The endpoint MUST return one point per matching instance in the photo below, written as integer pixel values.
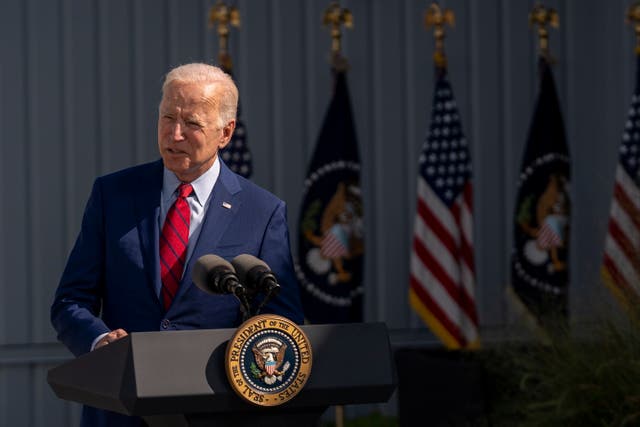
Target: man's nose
(178, 131)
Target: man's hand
(111, 337)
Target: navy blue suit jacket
(113, 271)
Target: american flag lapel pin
(226, 205)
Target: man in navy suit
(113, 285)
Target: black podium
(177, 378)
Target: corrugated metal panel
(15, 163)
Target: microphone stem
(266, 299)
(245, 307)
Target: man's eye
(193, 124)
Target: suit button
(165, 323)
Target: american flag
(442, 267)
(621, 264)
(236, 154)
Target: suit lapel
(224, 204)
(147, 202)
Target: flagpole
(542, 212)
(236, 155)
(335, 17)
(444, 193)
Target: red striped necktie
(173, 244)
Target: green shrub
(592, 380)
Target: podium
(178, 378)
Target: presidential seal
(268, 360)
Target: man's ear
(227, 133)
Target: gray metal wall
(80, 84)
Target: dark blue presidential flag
(236, 154)
(539, 260)
(329, 263)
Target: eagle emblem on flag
(544, 219)
(340, 233)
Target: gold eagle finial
(224, 16)
(543, 17)
(334, 17)
(633, 17)
(437, 18)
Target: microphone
(255, 274)
(215, 275)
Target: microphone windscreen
(244, 263)
(204, 271)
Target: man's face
(189, 129)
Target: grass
(592, 380)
